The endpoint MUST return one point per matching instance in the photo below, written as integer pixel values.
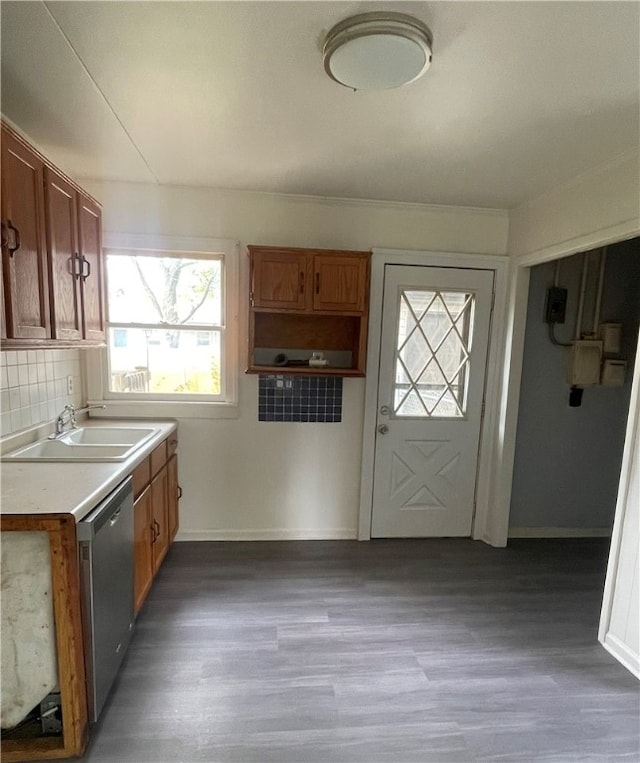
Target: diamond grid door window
(433, 345)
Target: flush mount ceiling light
(377, 51)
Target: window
(171, 313)
(433, 345)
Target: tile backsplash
(315, 399)
(33, 386)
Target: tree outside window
(165, 316)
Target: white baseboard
(333, 534)
(559, 532)
(622, 653)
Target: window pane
(182, 291)
(164, 361)
(432, 353)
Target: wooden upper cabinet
(308, 300)
(3, 324)
(309, 280)
(278, 279)
(91, 264)
(64, 262)
(52, 259)
(24, 256)
(340, 282)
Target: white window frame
(141, 405)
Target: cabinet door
(278, 279)
(90, 251)
(160, 519)
(339, 283)
(24, 262)
(3, 325)
(173, 496)
(142, 554)
(64, 264)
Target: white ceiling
(521, 97)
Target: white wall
(248, 479)
(597, 207)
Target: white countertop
(76, 487)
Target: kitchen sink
(107, 435)
(85, 444)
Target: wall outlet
(69, 385)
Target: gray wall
(567, 462)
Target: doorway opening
(570, 438)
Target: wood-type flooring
(410, 651)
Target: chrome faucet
(68, 416)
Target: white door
(433, 356)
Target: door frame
(482, 527)
(516, 320)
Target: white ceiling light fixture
(377, 51)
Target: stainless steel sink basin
(85, 444)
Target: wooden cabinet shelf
(304, 301)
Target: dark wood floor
(403, 651)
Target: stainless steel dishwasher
(105, 540)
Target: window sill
(170, 409)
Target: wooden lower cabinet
(160, 516)
(156, 494)
(155, 511)
(174, 492)
(143, 555)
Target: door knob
(383, 429)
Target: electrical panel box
(613, 372)
(556, 307)
(585, 358)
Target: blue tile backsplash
(315, 399)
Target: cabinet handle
(71, 266)
(179, 492)
(317, 283)
(16, 240)
(302, 283)
(86, 262)
(153, 534)
(157, 526)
